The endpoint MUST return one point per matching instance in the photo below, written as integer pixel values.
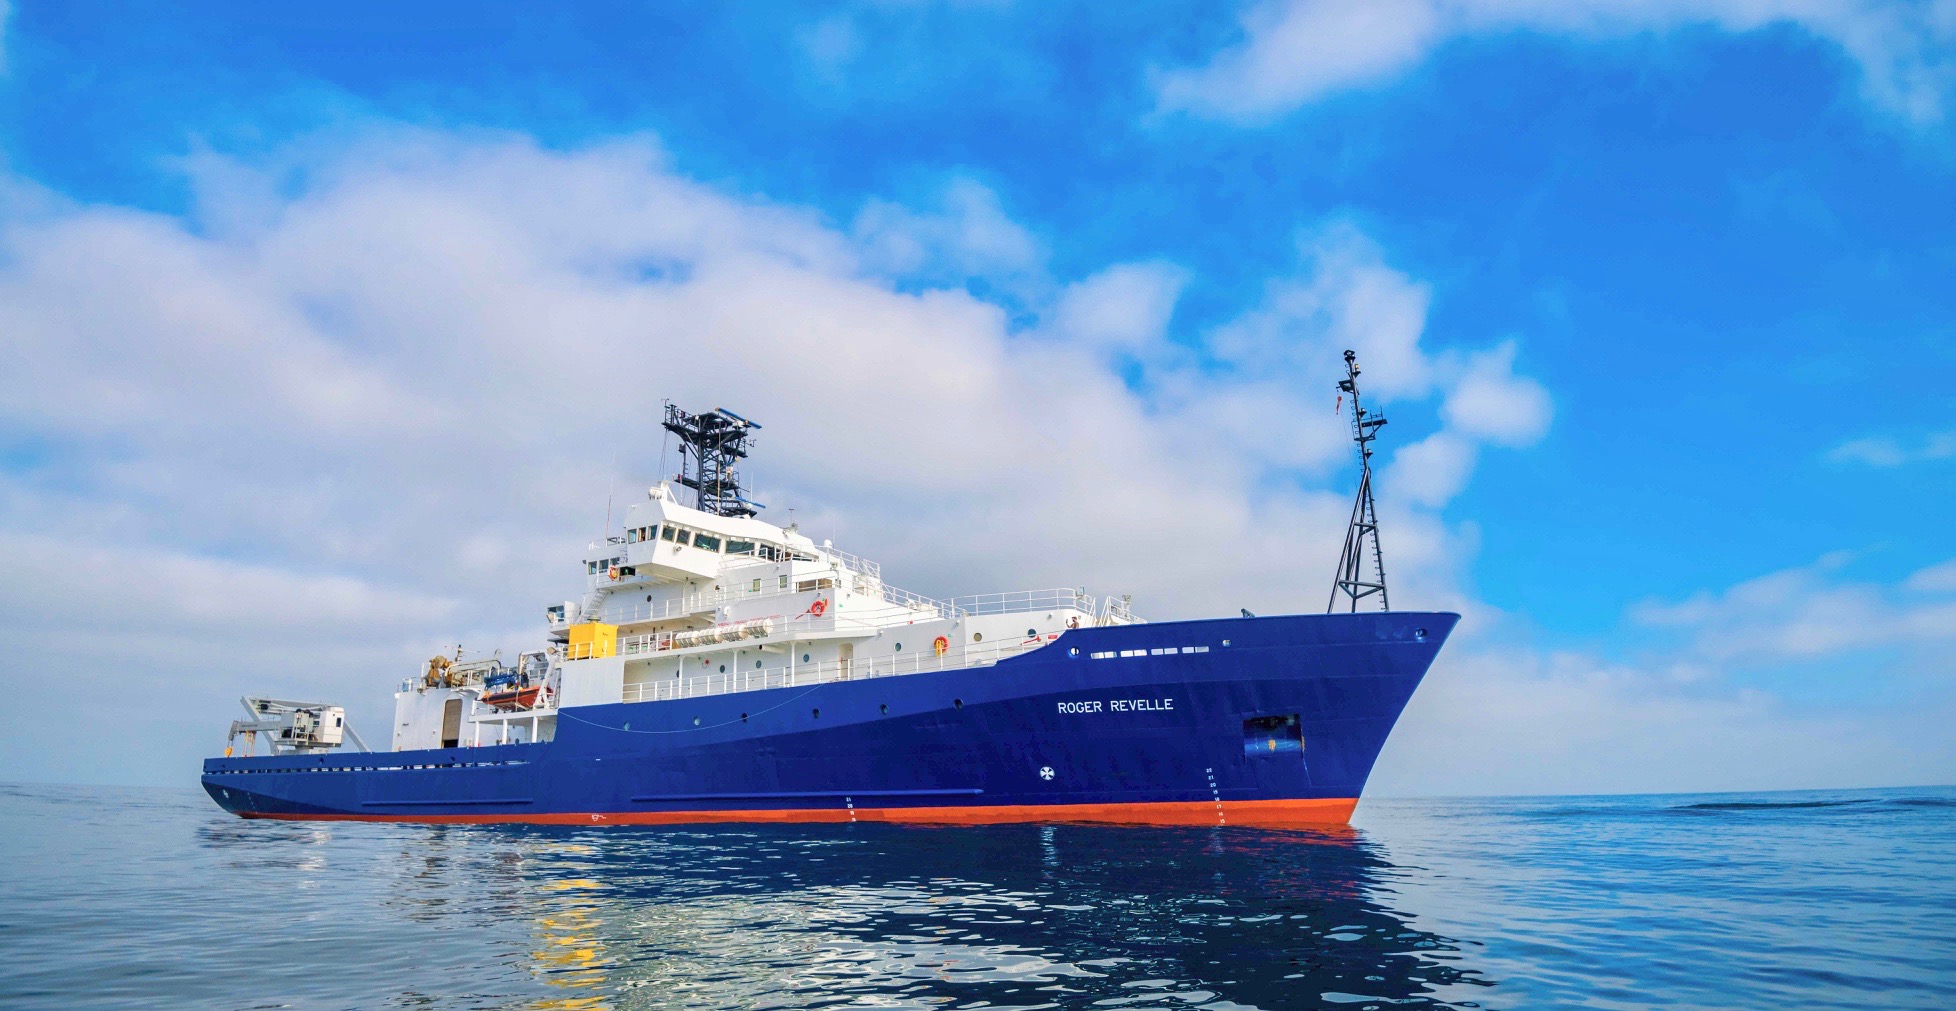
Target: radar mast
(710, 445)
(1362, 533)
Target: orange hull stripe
(1254, 813)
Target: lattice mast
(710, 445)
(1362, 533)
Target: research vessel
(719, 667)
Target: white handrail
(854, 563)
(696, 603)
(860, 668)
(1059, 598)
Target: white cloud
(1346, 297)
(1510, 720)
(403, 388)
(1939, 578)
(1802, 613)
(1124, 306)
(379, 415)
(1295, 51)
(969, 235)
(831, 45)
(1432, 471)
(1712, 708)
(66, 584)
(1881, 451)
(1490, 402)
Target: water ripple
(155, 899)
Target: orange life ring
(941, 645)
(612, 572)
(818, 607)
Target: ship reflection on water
(1000, 917)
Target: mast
(1362, 533)
(710, 445)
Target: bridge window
(666, 534)
(706, 542)
(740, 547)
(681, 537)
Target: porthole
(977, 637)
(899, 647)
(696, 721)
(815, 714)
(757, 665)
(957, 703)
(723, 668)
(628, 726)
(743, 717)
(884, 709)
(1225, 642)
(1420, 634)
(1032, 632)
(1073, 652)
(804, 658)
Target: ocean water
(130, 898)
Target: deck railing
(1060, 598)
(923, 661)
(854, 563)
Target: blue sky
(1714, 240)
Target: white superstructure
(681, 602)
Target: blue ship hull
(1277, 722)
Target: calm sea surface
(126, 898)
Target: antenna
(1364, 525)
(665, 443)
(710, 445)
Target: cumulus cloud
(307, 438)
(1706, 705)
(1514, 720)
(1125, 306)
(1882, 451)
(968, 235)
(391, 399)
(1432, 471)
(1934, 579)
(1295, 51)
(160, 590)
(1345, 297)
(1804, 613)
(830, 46)
(1490, 402)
